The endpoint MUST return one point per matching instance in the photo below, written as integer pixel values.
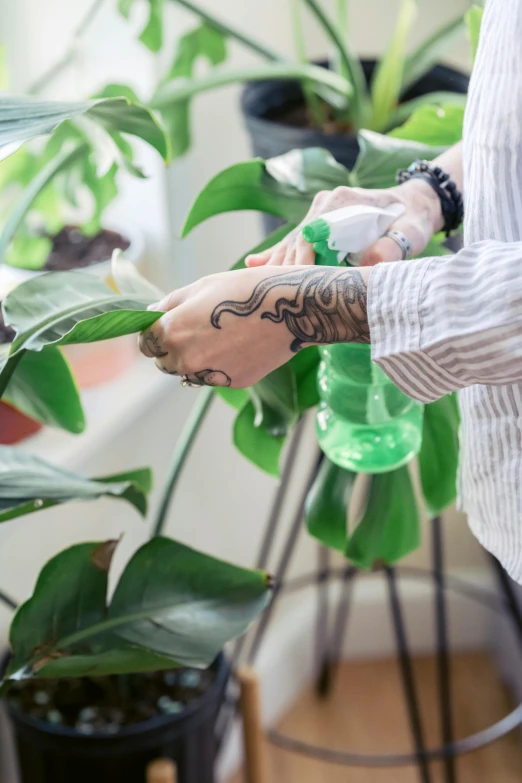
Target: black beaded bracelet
(451, 202)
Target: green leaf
(178, 89)
(123, 116)
(63, 160)
(387, 79)
(451, 101)
(275, 401)
(129, 281)
(380, 157)
(152, 33)
(429, 52)
(283, 186)
(439, 454)
(255, 443)
(473, 17)
(327, 504)
(203, 42)
(28, 252)
(269, 241)
(65, 308)
(305, 365)
(103, 190)
(390, 527)
(43, 387)
(236, 398)
(118, 90)
(172, 606)
(29, 484)
(434, 125)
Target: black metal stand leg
(323, 662)
(506, 589)
(334, 652)
(443, 658)
(405, 664)
(284, 562)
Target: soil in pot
(14, 425)
(73, 250)
(107, 704)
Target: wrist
(419, 197)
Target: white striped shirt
(455, 323)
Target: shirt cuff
(395, 293)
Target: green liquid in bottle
(364, 423)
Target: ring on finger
(401, 240)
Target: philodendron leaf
(29, 484)
(327, 504)
(43, 387)
(152, 33)
(305, 365)
(283, 186)
(390, 526)
(380, 157)
(173, 606)
(439, 454)
(24, 118)
(255, 443)
(433, 125)
(473, 17)
(275, 401)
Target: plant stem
(229, 31)
(8, 601)
(312, 101)
(342, 24)
(359, 100)
(181, 452)
(69, 55)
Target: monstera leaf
(172, 606)
(152, 33)
(43, 387)
(30, 484)
(255, 442)
(283, 186)
(439, 455)
(327, 504)
(433, 125)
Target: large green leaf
(380, 157)
(439, 454)
(473, 18)
(23, 118)
(43, 387)
(64, 308)
(405, 110)
(327, 504)
(388, 76)
(434, 125)
(255, 443)
(129, 281)
(283, 186)
(429, 52)
(172, 606)
(29, 484)
(203, 42)
(305, 365)
(390, 527)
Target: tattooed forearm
(318, 305)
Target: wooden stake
(161, 771)
(250, 703)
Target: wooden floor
(366, 713)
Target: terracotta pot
(97, 363)
(15, 426)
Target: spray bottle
(364, 422)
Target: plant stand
(331, 628)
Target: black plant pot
(264, 103)
(59, 754)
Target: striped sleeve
(441, 324)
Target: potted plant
(97, 688)
(294, 104)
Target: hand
(233, 328)
(420, 221)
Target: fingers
(262, 258)
(170, 301)
(386, 249)
(151, 341)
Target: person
(436, 325)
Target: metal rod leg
(408, 681)
(506, 588)
(284, 562)
(322, 685)
(443, 658)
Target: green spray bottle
(364, 422)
